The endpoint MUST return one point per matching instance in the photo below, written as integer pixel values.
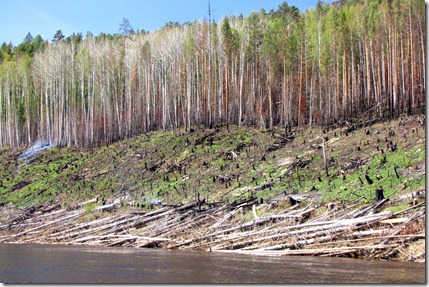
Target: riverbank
(343, 231)
(278, 192)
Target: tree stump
(379, 194)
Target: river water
(44, 264)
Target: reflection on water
(76, 264)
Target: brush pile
(345, 230)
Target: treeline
(283, 68)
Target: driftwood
(72, 216)
(344, 230)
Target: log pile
(350, 230)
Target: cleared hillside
(204, 171)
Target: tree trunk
(379, 194)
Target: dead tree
(379, 194)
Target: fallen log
(226, 217)
(203, 138)
(412, 195)
(332, 226)
(246, 225)
(295, 217)
(314, 252)
(166, 226)
(357, 126)
(409, 208)
(70, 233)
(402, 239)
(103, 208)
(99, 228)
(370, 208)
(394, 221)
(147, 218)
(275, 229)
(190, 205)
(404, 225)
(126, 236)
(73, 216)
(120, 242)
(94, 200)
(297, 244)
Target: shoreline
(212, 190)
(364, 231)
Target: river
(44, 264)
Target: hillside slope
(264, 173)
(225, 165)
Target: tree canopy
(340, 61)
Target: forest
(338, 62)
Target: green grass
(68, 176)
(89, 207)
(397, 208)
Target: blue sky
(45, 17)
